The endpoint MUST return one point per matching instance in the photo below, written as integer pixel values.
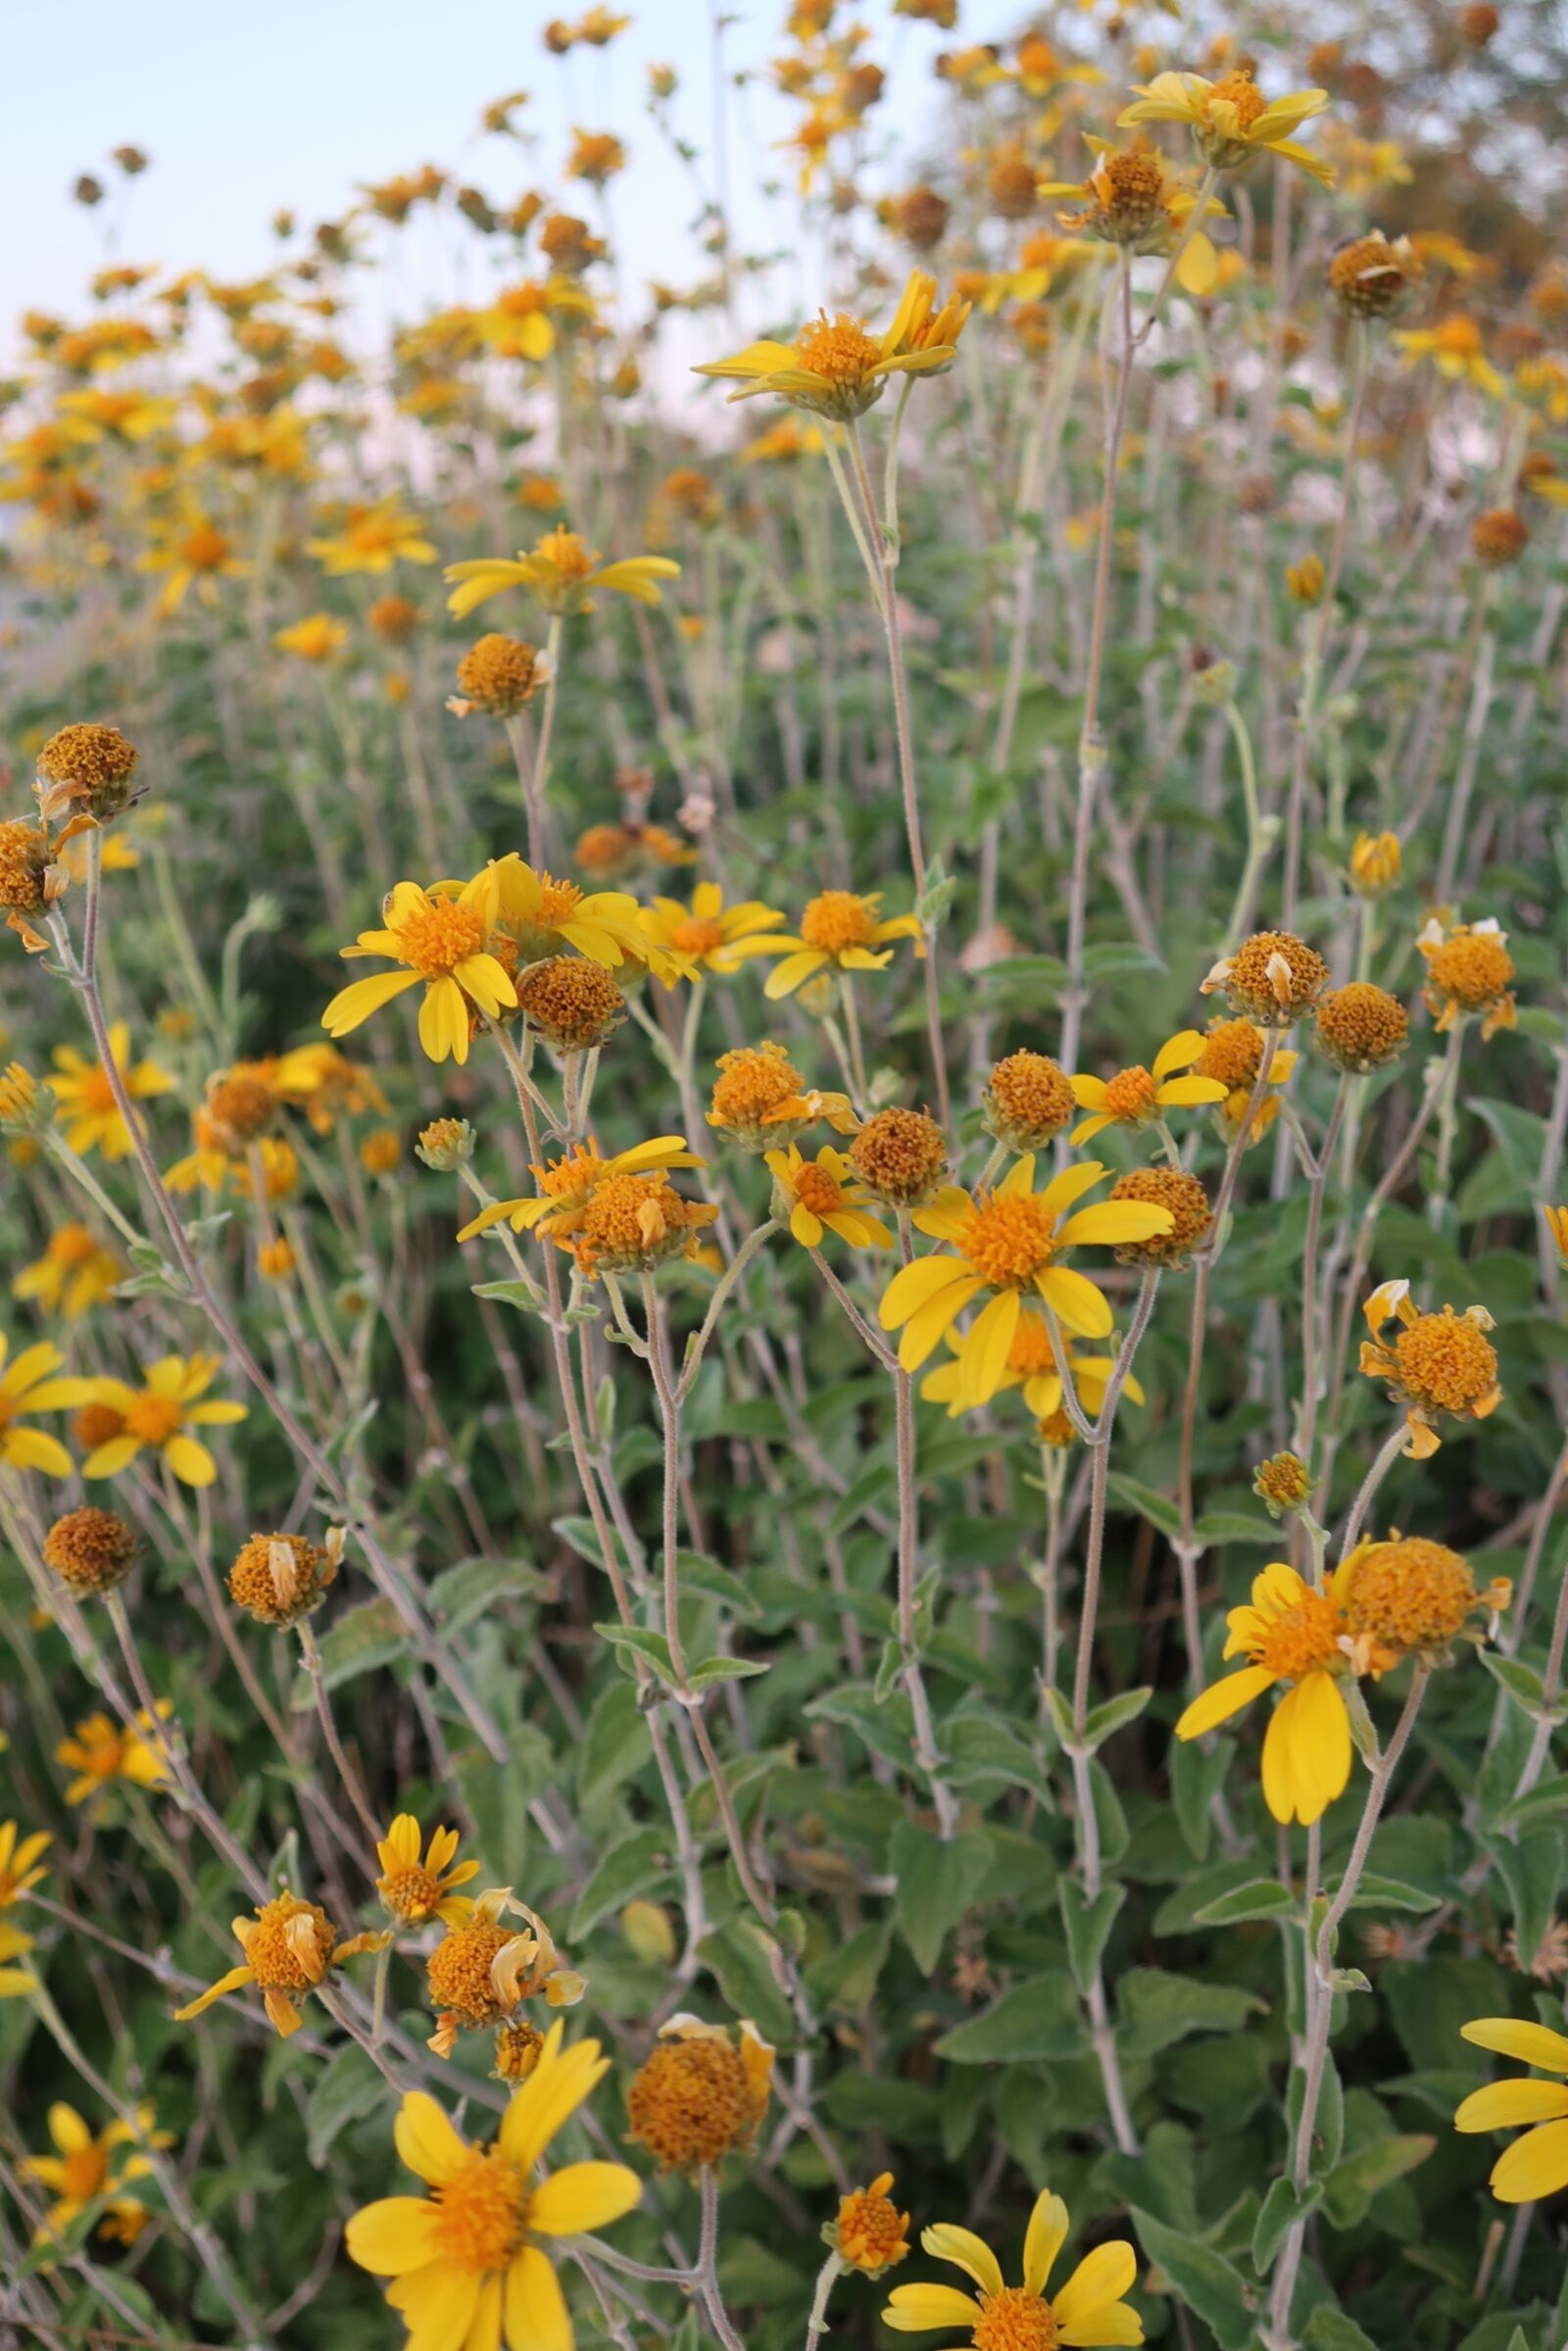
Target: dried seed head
(1361, 1027)
(900, 1157)
(1028, 1101)
(1169, 1188)
(90, 1550)
(277, 1579)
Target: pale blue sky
(293, 101)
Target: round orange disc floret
(1169, 1188)
(1273, 978)
(90, 1550)
(277, 1579)
(458, 1972)
(1361, 1027)
(1028, 1101)
(500, 674)
(88, 767)
(1446, 1362)
(1409, 1594)
(288, 1946)
(837, 919)
(900, 1157)
(23, 863)
(572, 1002)
(691, 2102)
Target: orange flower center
(437, 936)
(94, 1093)
(1457, 338)
(1010, 1239)
(84, 2173)
(572, 1177)
(1413, 1593)
(697, 935)
(836, 920)
(1030, 1352)
(1130, 1095)
(566, 552)
(205, 548)
(752, 1081)
(457, 1971)
(838, 348)
(558, 902)
(72, 1244)
(816, 1188)
(1303, 1640)
(480, 2213)
(271, 1946)
(411, 1895)
(154, 1418)
(1474, 967)
(870, 2229)
(1016, 2320)
(1242, 94)
(1445, 1359)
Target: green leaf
(628, 1867)
(936, 1884)
(1331, 2329)
(347, 2090)
(364, 1638)
(1115, 1714)
(1258, 1898)
(1157, 2009)
(1546, 1797)
(1354, 2183)
(1196, 1779)
(1032, 2020)
(462, 1592)
(1281, 2207)
(1158, 1509)
(518, 1291)
(1088, 1927)
(846, 1978)
(1203, 2278)
(724, 1669)
(1523, 1685)
(615, 1745)
(1389, 1893)
(1532, 1873)
(1236, 1525)
(637, 1640)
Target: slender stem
(707, 2265)
(353, 1788)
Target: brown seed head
(1012, 188)
(457, 1971)
(240, 1107)
(691, 2103)
(277, 1579)
(920, 217)
(1368, 277)
(1169, 1188)
(572, 1002)
(394, 618)
(1274, 977)
(24, 863)
(900, 1157)
(1499, 537)
(87, 769)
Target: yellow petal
(356, 1003)
(915, 1285)
(1101, 2278)
(1076, 1304)
(1178, 1051)
(392, 2237)
(1221, 1699)
(1048, 2234)
(917, 2308)
(534, 2311)
(1531, 2045)
(1503, 2105)
(966, 2251)
(983, 1358)
(928, 1325)
(583, 2196)
(1198, 268)
(1534, 2166)
(426, 2140)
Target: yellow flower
(562, 572)
(289, 1945)
(761, 1098)
(20, 1872)
(437, 938)
(74, 1272)
(1537, 2165)
(707, 932)
(1231, 121)
(194, 553)
(1032, 1366)
(1089, 2309)
(372, 539)
(1558, 1226)
(315, 639)
(1374, 863)
(1469, 970)
(86, 1098)
(30, 1386)
(700, 2095)
(544, 917)
(839, 930)
(158, 1415)
(1435, 1363)
(102, 1752)
(869, 2233)
(468, 2262)
(1454, 348)
(85, 2170)
(1128, 200)
(413, 1889)
(820, 1193)
(1137, 1097)
(566, 1186)
(1008, 1242)
(1290, 1633)
(836, 367)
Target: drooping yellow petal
(915, 1285)
(967, 2252)
(1534, 2166)
(1075, 1301)
(1103, 2277)
(534, 2310)
(1221, 1699)
(361, 997)
(984, 1356)
(933, 1320)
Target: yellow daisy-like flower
(1290, 1633)
(707, 932)
(102, 1752)
(372, 539)
(869, 2232)
(1537, 2165)
(411, 1888)
(837, 368)
(1032, 1366)
(313, 639)
(290, 1944)
(1231, 121)
(1455, 348)
(74, 1273)
(1469, 973)
(562, 574)
(821, 1195)
(158, 1415)
(20, 1872)
(30, 1386)
(87, 2170)
(1137, 1097)
(1129, 200)
(544, 917)
(839, 930)
(87, 1098)
(441, 939)
(195, 554)
(1088, 2309)
(566, 1186)
(468, 2262)
(1008, 1242)
(1435, 1363)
